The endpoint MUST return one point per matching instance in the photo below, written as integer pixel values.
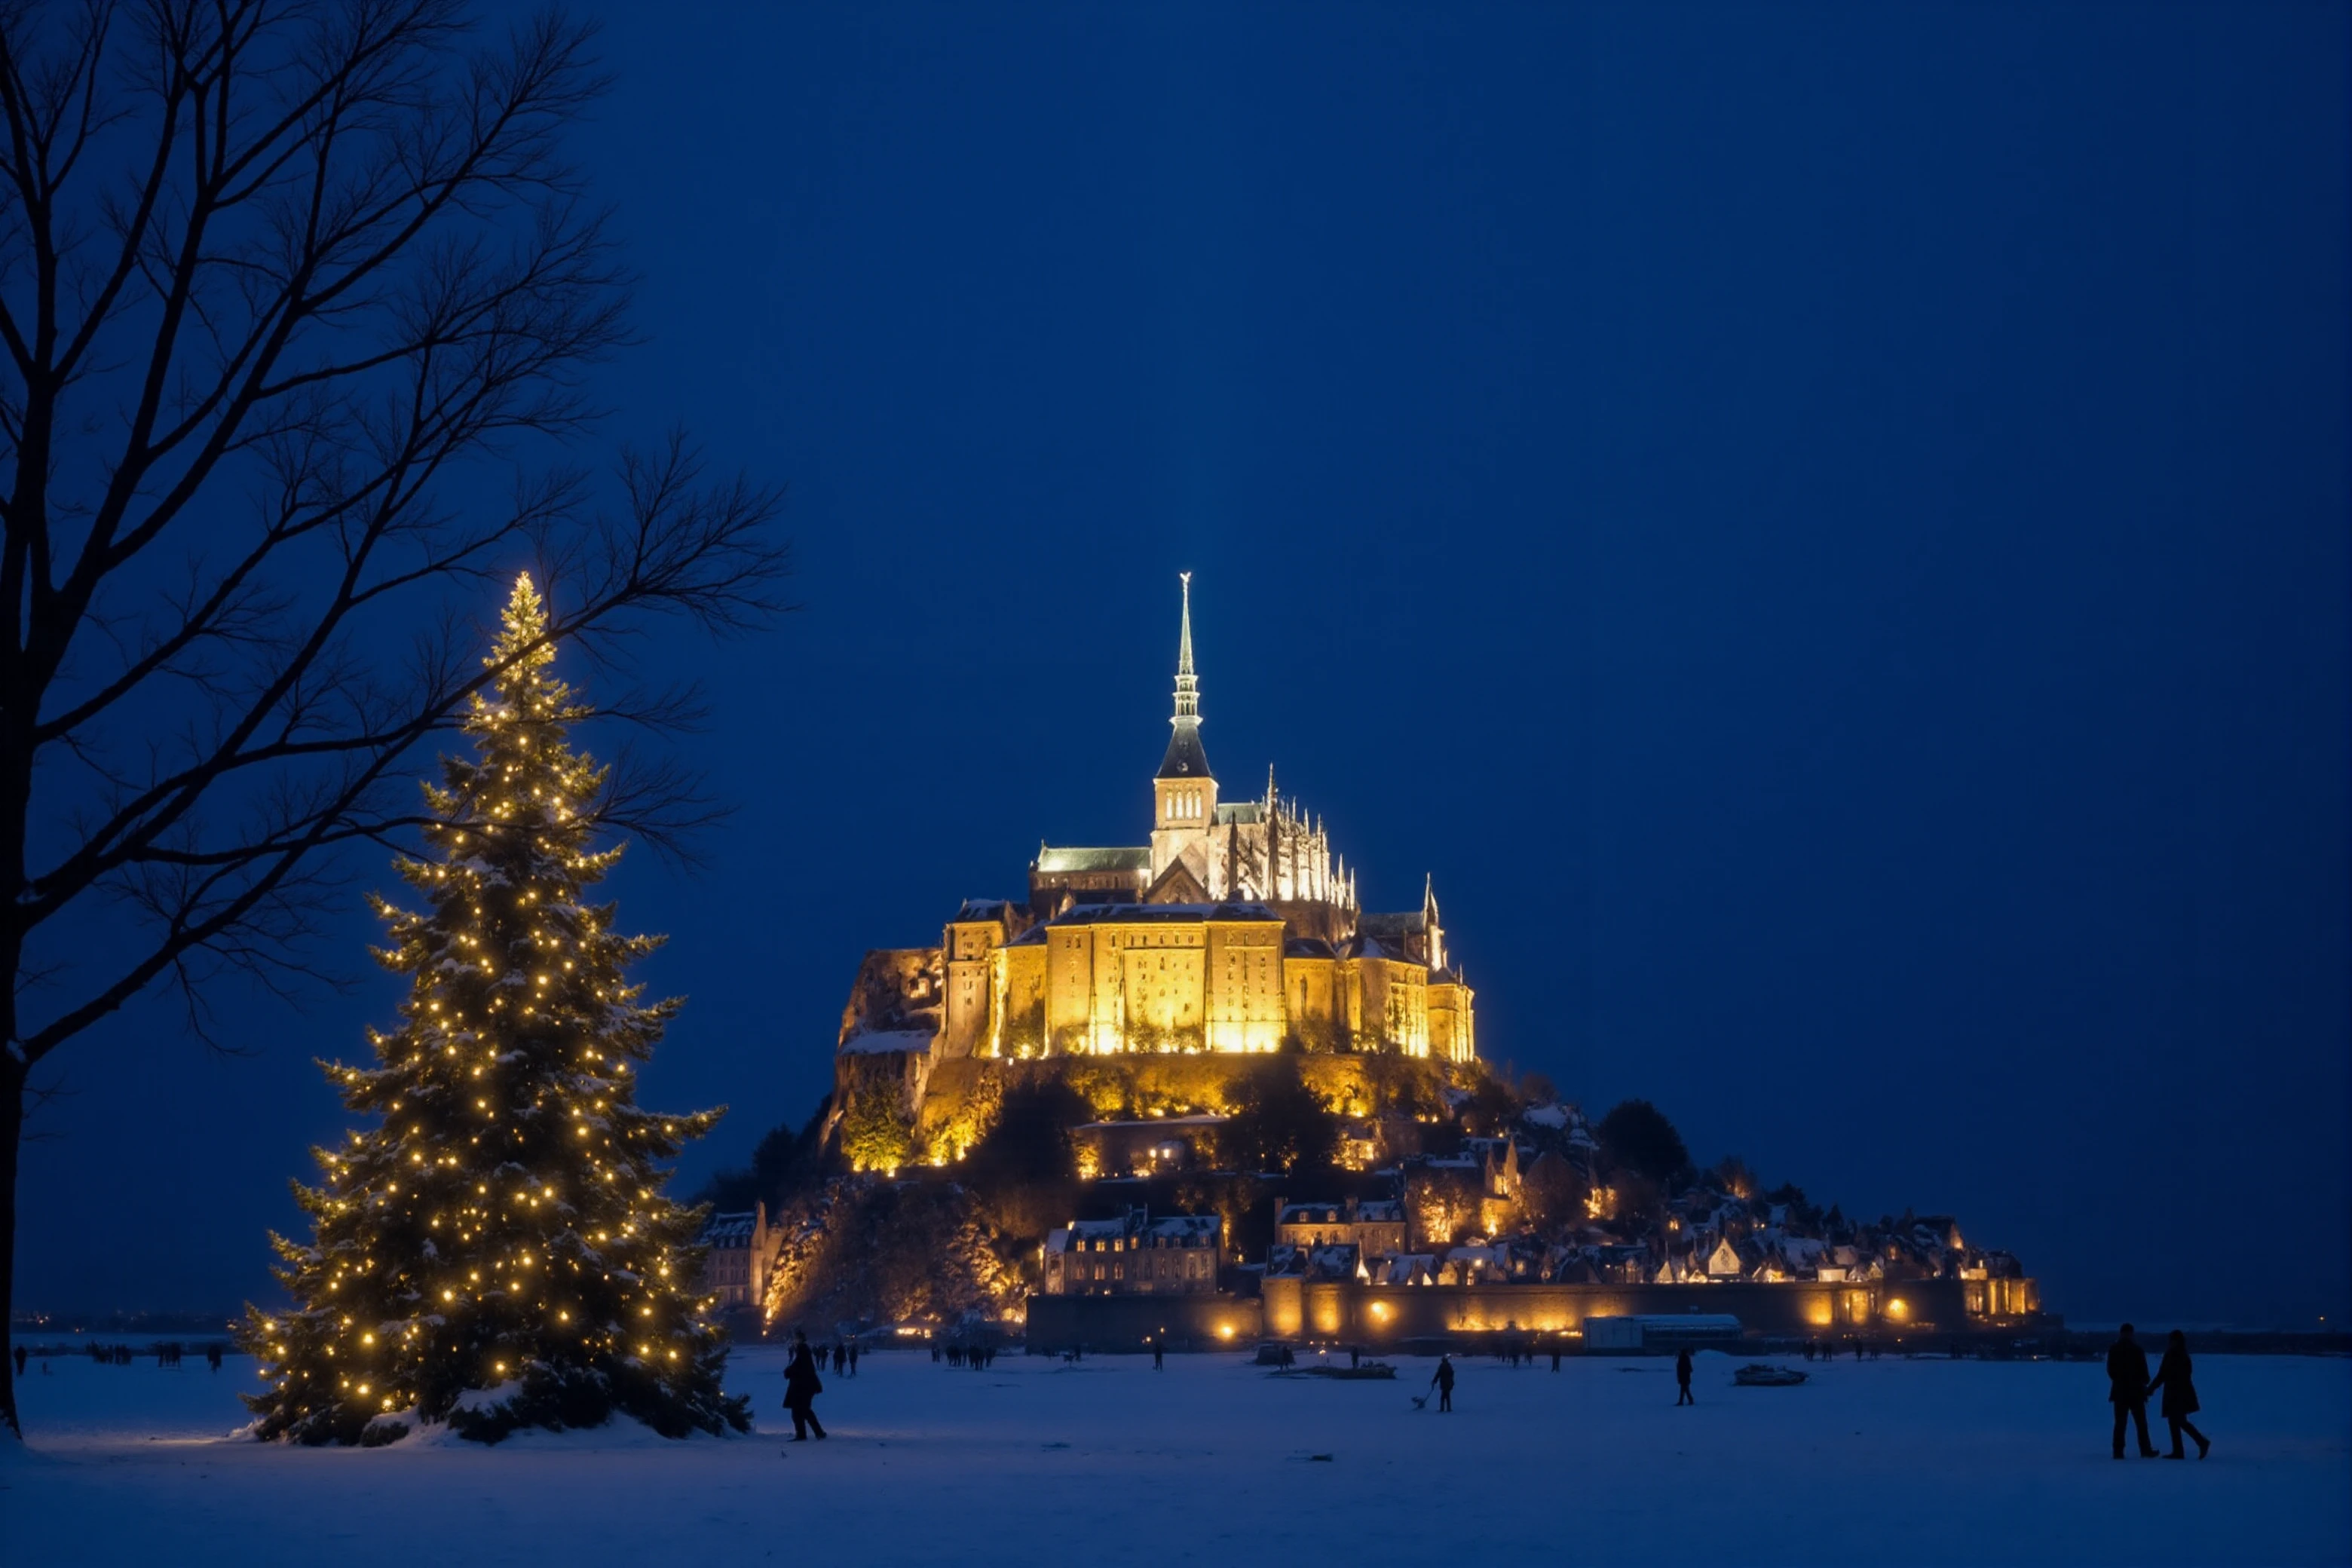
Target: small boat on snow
(1762, 1375)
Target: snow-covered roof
(1137, 1224)
(1183, 1225)
(730, 1231)
(1136, 858)
(1395, 926)
(1131, 914)
(1406, 1268)
(875, 1041)
(1197, 1118)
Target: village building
(1134, 1254)
(738, 1249)
(1375, 1228)
(1150, 1146)
(1474, 1192)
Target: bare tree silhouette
(298, 305)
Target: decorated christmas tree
(495, 1249)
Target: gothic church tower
(1184, 793)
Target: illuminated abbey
(1234, 929)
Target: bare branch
(283, 288)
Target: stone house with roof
(1134, 1254)
(737, 1251)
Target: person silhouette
(1443, 1383)
(2180, 1395)
(1683, 1377)
(2128, 1389)
(801, 1385)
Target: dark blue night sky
(1824, 529)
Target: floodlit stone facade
(1234, 930)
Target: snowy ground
(1890, 1461)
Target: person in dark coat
(2128, 1390)
(2180, 1395)
(1682, 1376)
(1443, 1383)
(1159, 1353)
(801, 1385)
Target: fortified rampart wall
(1372, 1315)
(1110, 1323)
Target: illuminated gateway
(1233, 929)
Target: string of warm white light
(502, 1223)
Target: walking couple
(2129, 1386)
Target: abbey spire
(1185, 758)
(1188, 685)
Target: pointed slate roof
(1185, 758)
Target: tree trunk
(12, 1128)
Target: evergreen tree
(500, 1231)
(1281, 1125)
(1636, 1136)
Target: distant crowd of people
(167, 1353)
(1827, 1349)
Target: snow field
(1213, 1461)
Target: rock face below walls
(865, 1250)
(898, 991)
(889, 1061)
(887, 1031)
(948, 1105)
